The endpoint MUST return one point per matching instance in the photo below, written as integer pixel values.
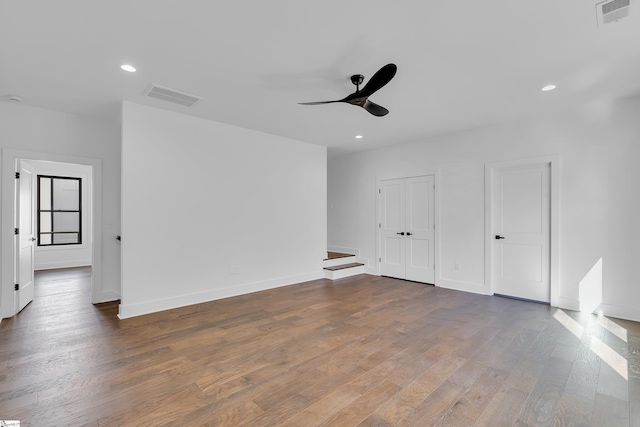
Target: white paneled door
(521, 231)
(26, 236)
(407, 228)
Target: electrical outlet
(457, 266)
(235, 270)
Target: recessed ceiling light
(129, 68)
(547, 88)
(358, 136)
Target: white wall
(599, 148)
(51, 135)
(48, 257)
(211, 210)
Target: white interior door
(407, 229)
(420, 225)
(26, 237)
(521, 211)
(392, 228)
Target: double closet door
(407, 228)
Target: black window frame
(52, 211)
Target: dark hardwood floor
(361, 351)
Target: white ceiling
(461, 64)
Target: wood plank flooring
(360, 351)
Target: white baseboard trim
(620, 312)
(107, 296)
(133, 310)
(608, 310)
(568, 304)
(371, 271)
(476, 288)
(62, 264)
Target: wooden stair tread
(343, 266)
(334, 255)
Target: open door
(25, 239)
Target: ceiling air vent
(612, 10)
(171, 95)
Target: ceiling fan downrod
(357, 80)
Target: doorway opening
(18, 268)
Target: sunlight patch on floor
(570, 324)
(613, 327)
(610, 357)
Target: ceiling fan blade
(378, 80)
(375, 109)
(318, 102)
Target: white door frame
(554, 162)
(9, 159)
(436, 208)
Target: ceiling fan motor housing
(361, 97)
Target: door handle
(402, 234)
(498, 237)
(409, 234)
(33, 239)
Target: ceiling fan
(361, 97)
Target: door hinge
(379, 259)
(379, 225)
(379, 190)
(17, 287)
(17, 175)
(16, 231)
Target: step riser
(346, 272)
(338, 261)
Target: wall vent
(171, 95)
(612, 10)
